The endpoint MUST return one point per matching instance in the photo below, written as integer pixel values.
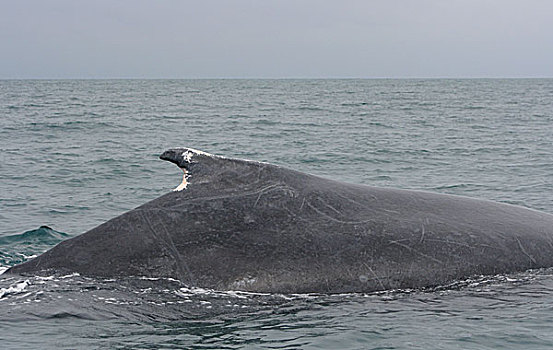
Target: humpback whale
(244, 225)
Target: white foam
(17, 288)
(159, 278)
(27, 257)
(186, 292)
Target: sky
(65, 39)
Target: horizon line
(286, 78)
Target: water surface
(77, 153)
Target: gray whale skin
(245, 225)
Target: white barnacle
(187, 156)
(184, 182)
(190, 152)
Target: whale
(236, 224)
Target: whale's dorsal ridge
(204, 165)
(183, 156)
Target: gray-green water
(77, 153)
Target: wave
(16, 249)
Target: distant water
(77, 153)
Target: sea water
(75, 153)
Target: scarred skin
(244, 225)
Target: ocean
(76, 153)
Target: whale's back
(260, 227)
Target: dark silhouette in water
(253, 226)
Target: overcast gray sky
(275, 39)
